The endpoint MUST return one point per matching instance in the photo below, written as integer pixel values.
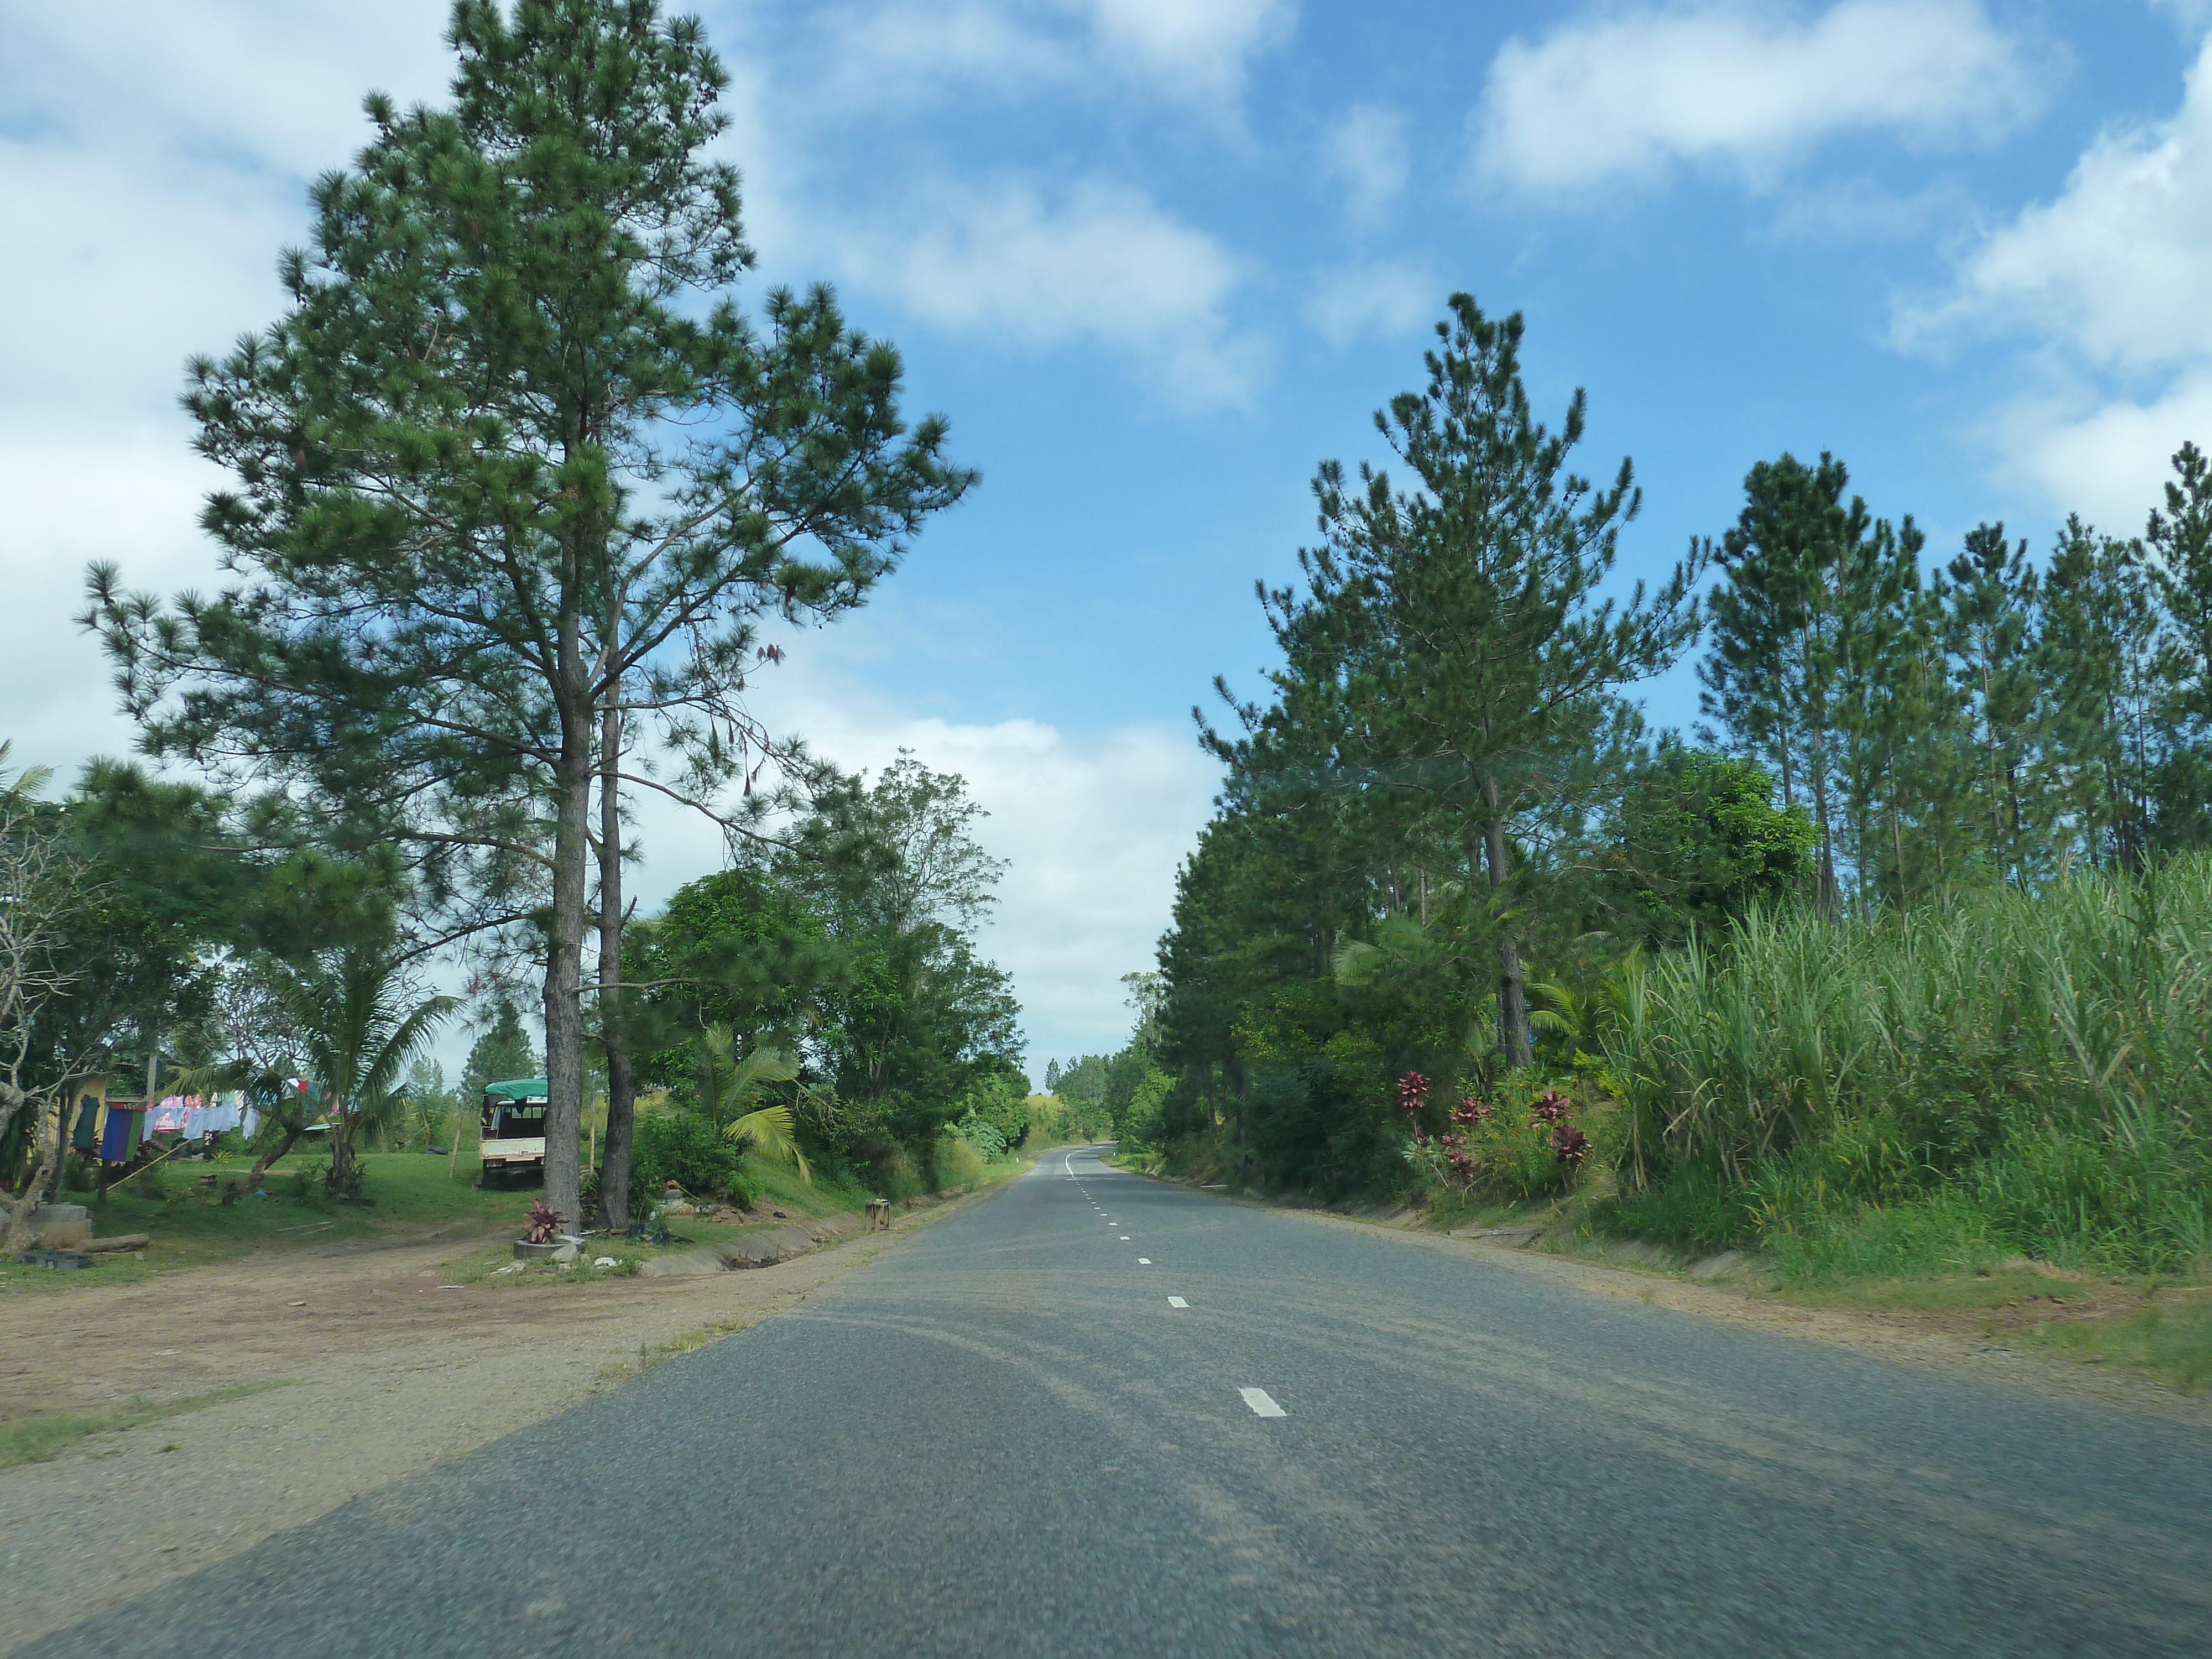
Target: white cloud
(1385, 299)
(1201, 45)
(1629, 94)
(155, 162)
(911, 50)
(2109, 278)
(1103, 263)
(1366, 153)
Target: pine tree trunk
(621, 1073)
(1827, 874)
(1512, 991)
(564, 943)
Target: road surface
(1097, 1415)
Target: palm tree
(348, 1011)
(729, 1085)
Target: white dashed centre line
(1263, 1403)
(1177, 1302)
(1144, 1261)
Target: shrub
(982, 1135)
(683, 1147)
(957, 1164)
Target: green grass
(410, 1194)
(39, 1438)
(2171, 1342)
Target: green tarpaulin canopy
(520, 1088)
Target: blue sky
(1156, 259)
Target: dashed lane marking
(1263, 1403)
(1177, 1302)
(1144, 1261)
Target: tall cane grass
(2044, 1058)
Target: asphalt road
(1005, 1437)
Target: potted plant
(541, 1233)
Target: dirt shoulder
(382, 1368)
(1966, 1341)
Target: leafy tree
(731, 1089)
(1703, 842)
(515, 484)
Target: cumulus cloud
(2109, 278)
(1629, 94)
(1366, 153)
(1389, 298)
(1100, 262)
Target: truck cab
(513, 1127)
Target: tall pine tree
(512, 459)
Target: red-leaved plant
(1456, 1154)
(1412, 1093)
(541, 1222)
(1551, 1107)
(1471, 1110)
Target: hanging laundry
(86, 1135)
(168, 1117)
(119, 1136)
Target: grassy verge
(39, 1438)
(2171, 1340)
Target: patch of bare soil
(384, 1368)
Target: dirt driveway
(382, 1369)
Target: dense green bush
(683, 1147)
(982, 1135)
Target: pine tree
(1772, 679)
(1989, 599)
(1485, 663)
(512, 459)
(2095, 660)
(2180, 546)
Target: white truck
(514, 1124)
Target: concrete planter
(526, 1251)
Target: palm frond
(770, 1133)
